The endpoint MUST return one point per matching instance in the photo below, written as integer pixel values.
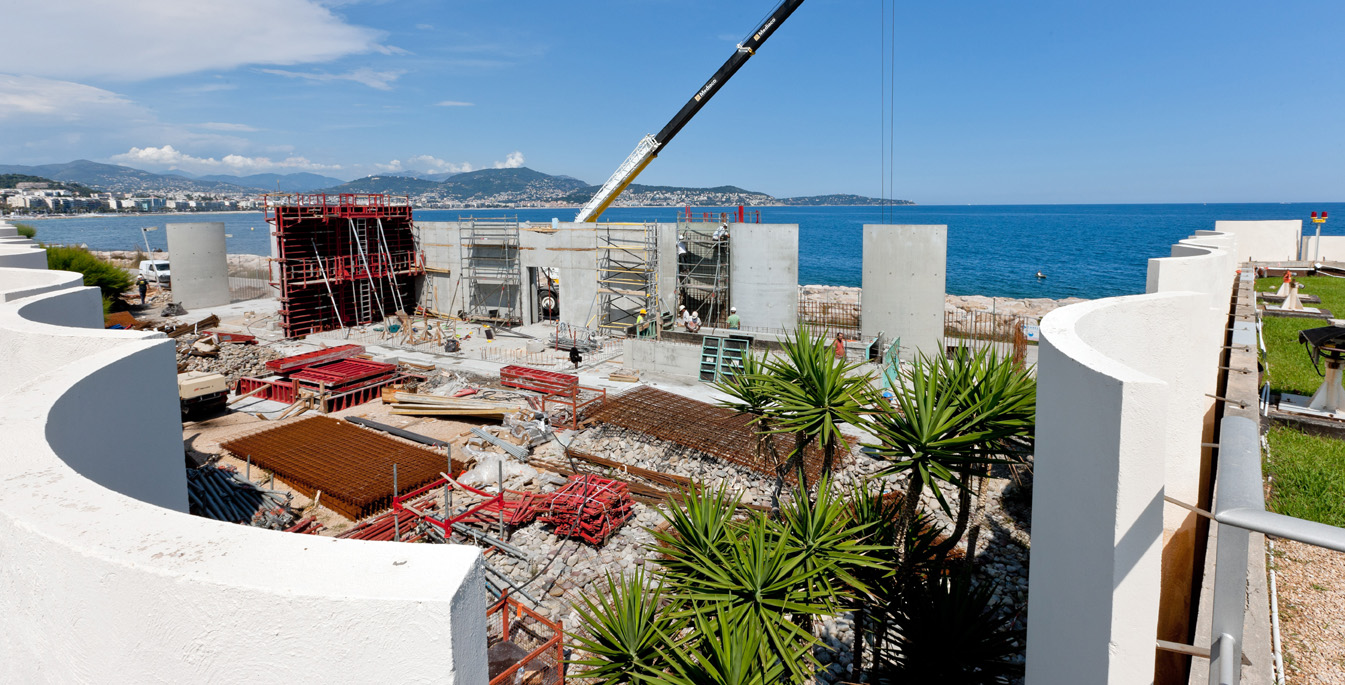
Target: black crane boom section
(731, 67)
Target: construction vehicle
(201, 392)
(651, 145)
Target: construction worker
(575, 357)
(721, 233)
(734, 321)
(683, 316)
(840, 346)
(142, 284)
(639, 324)
(695, 323)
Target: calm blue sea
(1085, 251)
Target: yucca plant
(627, 632)
(749, 394)
(728, 651)
(761, 582)
(948, 419)
(697, 532)
(814, 393)
(950, 630)
(823, 534)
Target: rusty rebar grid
(352, 466)
(716, 431)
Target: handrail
(1240, 509)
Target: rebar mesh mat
(352, 466)
(706, 428)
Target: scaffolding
(341, 260)
(703, 271)
(492, 272)
(628, 278)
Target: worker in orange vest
(840, 346)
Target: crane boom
(651, 145)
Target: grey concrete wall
(903, 286)
(198, 260)
(764, 274)
(668, 358)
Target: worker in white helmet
(695, 323)
(734, 322)
(683, 315)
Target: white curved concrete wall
(103, 578)
(1264, 241)
(21, 253)
(1106, 377)
(199, 262)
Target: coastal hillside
(285, 183)
(119, 178)
(15, 180)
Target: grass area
(1290, 369)
(1308, 474)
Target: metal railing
(1239, 507)
(1006, 333)
(830, 318)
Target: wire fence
(830, 318)
(249, 278)
(1007, 334)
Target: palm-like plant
(951, 630)
(698, 531)
(950, 417)
(627, 631)
(749, 395)
(814, 393)
(824, 534)
(728, 651)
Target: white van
(155, 271)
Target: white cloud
(382, 80)
(426, 163)
(170, 157)
(221, 126)
(47, 99)
(513, 161)
(455, 103)
(425, 27)
(145, 39)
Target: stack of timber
(421, 404)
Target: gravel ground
(1311, 585)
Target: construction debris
(353, 467)
(179, 331)
(219, 493)
(424, 404)
(231, 361)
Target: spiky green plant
(626, 631)
(749, 394)
(698, 530)
(950, 630)
(823, 534)
(949, 418)
(758, 579)
(728, 651)
(814, 392)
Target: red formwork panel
(342, 372)
(276, 389)
(307, 359)
(548, 382)
(341, 260)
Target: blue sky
(996, 102)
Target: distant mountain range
(487, 186)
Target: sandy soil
(1311, 585)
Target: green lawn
(1289, 368)
(1308, 475)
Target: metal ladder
(628, 280)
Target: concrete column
(903, 287)
(764, 274)
(197, 259)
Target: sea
(1087, 251)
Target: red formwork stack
(341, 260)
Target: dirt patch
(1311, 586)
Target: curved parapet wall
(1108, 372)
(20, 253)
(103, 578)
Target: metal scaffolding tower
(628, 277)
(703, 271)
(492, 272)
